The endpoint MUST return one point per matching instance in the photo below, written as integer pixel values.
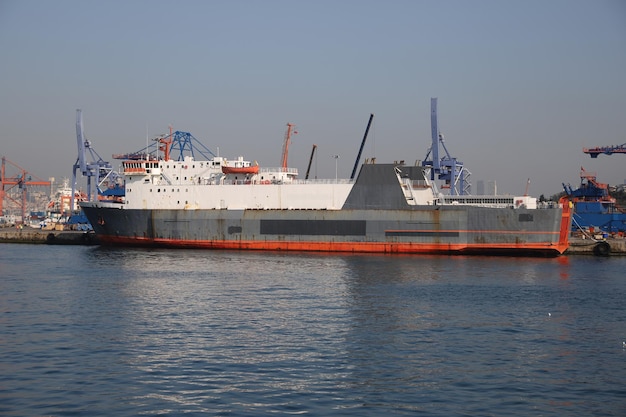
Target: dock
(604, 247)
(50, 237)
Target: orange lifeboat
(253, 169)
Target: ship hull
(419, 230)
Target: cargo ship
(388, 208)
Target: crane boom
(97, 168)
(607, 150)
(310, 161)
(434, 134)
(286, 145)
(358, 157)
(445, 167)
(80, 139)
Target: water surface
(102, 331)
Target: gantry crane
(167, 146)
(446, 168)
(23, 181)
(99, 169)
(607, 150)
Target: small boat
(253, 169)
(240, 167)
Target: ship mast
(310, 161)
(165, 144)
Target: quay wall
(58, 237)
(578, 246)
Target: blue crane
(100, 170)
(446, 168)
(174, 146)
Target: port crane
(607, 150)
(184, 141)
(100, 170)
(286, 143)
(452, 171)
(174, 145)
(22, 180)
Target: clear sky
(522, 86)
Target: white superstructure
(191, 184)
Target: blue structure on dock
(594, 207)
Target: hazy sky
(522, 85)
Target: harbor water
(94, 331)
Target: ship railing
(549, 205)
(496, 201)
(493, 201)
(134, 170)
(278, 181)
(419, 184)
(291, 171)
(323, 181)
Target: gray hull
(446, 229)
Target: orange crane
(591, 179)
(22, 180)
(288, 133)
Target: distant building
(480, 187)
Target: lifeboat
(252, 169)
